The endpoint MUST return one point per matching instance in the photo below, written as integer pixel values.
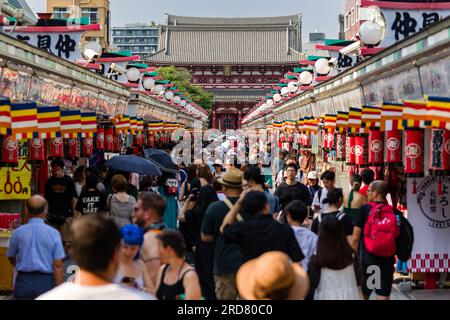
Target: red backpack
(381, 230)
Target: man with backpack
(329, 181)
(379, 234)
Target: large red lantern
(100, 138)
(340, 147)
(10, 151)
(36, 150)
(393, 147)
(350, 150)
(376, 147)
(440, 150)
(55, 148)
(72, 148)
(109, 139)
(360, 150)
(88, 146)
(414, 151)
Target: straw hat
(232, 178)
(270, 273)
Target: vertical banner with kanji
(429, 214)
(15, 182)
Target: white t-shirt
(318, 202)
(71, 291)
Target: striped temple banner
(354, 120)
(439, 112)
(5, 117)
(155, 126)
(49, 122)
(415, 114)
(330, 121)
(370, 117)
(391, 116)
(140, 125)
(24, 122)
(342, 121)
(88, 124)
(70, 124)
(133, 125)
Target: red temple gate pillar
(214, 120)
(239, 120)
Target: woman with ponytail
(354, 200)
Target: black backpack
(405, 240)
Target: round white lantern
(371, 33)
(284, 91)
(322, 66)
(168, 95)
(177, 100)
(159, 89)
(269, 103)
(149, 83)
(92, 49)
(277, 97)
(133, 74)
(306, 78)
(292, 86)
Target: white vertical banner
(429, 213)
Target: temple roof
(274, 40)
(237, 94)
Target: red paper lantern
(88, 146)
(393, 147)
(72, 148)
(440, 150)
(414, 152)
(100, 138)
(10, 151)
(359, 150)
(36, 150)
(109, 139)
(376, 147)
(340, 147)
(55, 148)
(350, 150)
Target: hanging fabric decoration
(10, 151)
(340, 146)
(376, 147)
(360, 150)
(49, 122)
(109, 139)
(55, 148)
(87, 146)
(36, 150)
(72, 149)
(393, 147)
(24, 121)
(440, 150)
(116, 142)
(100, 139)
(414, 152)
(350, 150)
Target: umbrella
(162, 160)
(132, 163)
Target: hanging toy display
(414, 152)
(393, 148)
(36, 150)
(55, 148)
(10, 151)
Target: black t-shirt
(227, 256)
(346, 220)
(59, 193)
(366, 257)
(288, 193)
(261, 234)
(91, 202)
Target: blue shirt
(36, 246)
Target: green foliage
(182, 79)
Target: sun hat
(231, 178)
(271, 274)
(313, 175)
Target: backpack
(381, 230)
(171, 187)
(405, 240)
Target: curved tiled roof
(237, 94)
(221, 21)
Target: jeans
(29, 286)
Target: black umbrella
(136, 164)
(162, 160)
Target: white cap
(313, 175)
(218, 162)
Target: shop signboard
(15, 182)
(106, 104)
(15, 84)
(342, 102)
(435, 77)
(429, 214)
(84, 98)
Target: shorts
(383, 285)
(226, 286)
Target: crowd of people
(223, 234)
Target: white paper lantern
(133, 74)
(323, 66)
(159, 89)
(149, 83)
(183, 103)
(177, 99)
(92, 49)
(284, 91)
(168, 95)
(277, 97)
(292, 86)
(269, 103)
(306, 78)
(371, 33)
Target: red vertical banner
(10, 151)
(414, 152)
(350, 150)
(36, 150)
(109, 139)
(55, 148)
(340, 147)
(359, 150)
(87, 146)
(393, 147)
(72, 148)
(376, 147)
(329, 139)
(116, 142)
(100, 139)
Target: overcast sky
(317, 14)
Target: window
(61, 13)
(91, 13)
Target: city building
(239, 60)
(316, 37)
(20, 10)
(98, 11)
(141, 39)
(352, 20)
